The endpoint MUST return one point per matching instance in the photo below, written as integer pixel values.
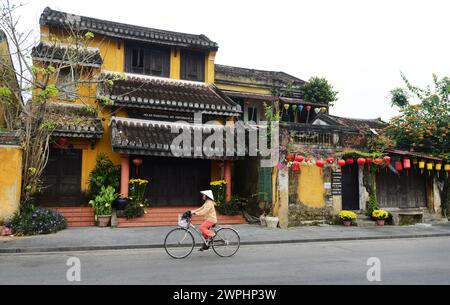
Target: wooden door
(62, 178)
(175, 181)
(401, 191)
(350, 188)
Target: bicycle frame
(195, 229)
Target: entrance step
(168, 216)
(77, 216)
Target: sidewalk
(93, 238)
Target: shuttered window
(193, 66)
(265, 184)
(147, 59)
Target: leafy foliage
(134, 209)
(234, 207)
(425, 126)
(372, 205)
(104, 200)
(319, 90)
(36, 221)
(105, 173)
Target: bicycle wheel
(226, 242)
(179, 243)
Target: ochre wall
(10, 181)
(311, 190)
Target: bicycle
(179, 243)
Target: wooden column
(124, 174)
(227, 177)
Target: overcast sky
(359, 46)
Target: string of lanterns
(300, 108)
(295, 162)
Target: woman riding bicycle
(208, 211)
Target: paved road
(403, 261)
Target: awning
(156, 138)
(412, 154)
(147, 92)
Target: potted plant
(380, 216)
(347, 217)
(272, 221)
(102, 205)
(120, 205)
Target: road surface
(402, 261)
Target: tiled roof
(269, 80)
(125, 31)
(10, 137)
(155, 138)
(138, 91)
(73, 121)
(63, 53)
(352, 123)
(412, 154)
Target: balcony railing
(322, 135)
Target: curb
(250, 243)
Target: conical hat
(208, 194)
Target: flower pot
(380, 223)
(262, 219)
(120, 204)
(272, 222)
(347, 223)
(103, 220)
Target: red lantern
(398, 166)
(387, 160)
(299, 158)
(296, 166)
(290, 157)
(341, 163)
(330, 160)
(308, 108)
(320, 163)
(349, 161)
(62, 141)
(407, 165)
(378, 162)
(369, 161)
(361, 161)
(137, 162)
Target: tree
(424, 127)
(318, 90)
(62, 72)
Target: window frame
(186, 59)
(150, 56)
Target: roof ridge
(62, 17)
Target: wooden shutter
(193, 66)
(265, 184)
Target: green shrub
(36, 221)
(133, 210)
(232, 208)
(102, 203)
(105, 173)
(371, 205)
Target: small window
(147, 59)
(193, 66)
(67, 84)
(252, 114)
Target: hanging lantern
(407, 165)
(299, 158)
(294, 107)
(308, 108)
(447, 169)
(320, 163)
(430, 166)
(286, 106)
(438, 166)
(415, 162)
(349, 161)
(316, 110)
(300, 108)
(341, 162)
(330, 160)
(62, 141)
(296, 166)
(361, 161)
(398, 166)
(290, 157)
(137, 162)
(323, 109)
(422, 166)
(378, 162)
(387, 160)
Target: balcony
(322, 136)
